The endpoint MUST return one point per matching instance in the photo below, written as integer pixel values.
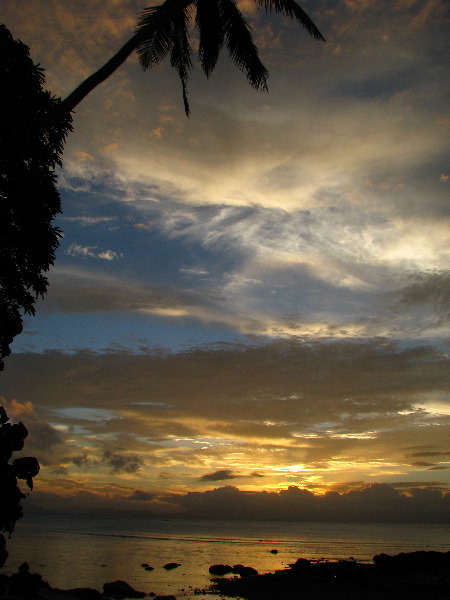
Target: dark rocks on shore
(171, 565)
(119, 590)
(220, 569)
(4, 584)
(24, 583)
(274, 551)
(414, 560)
(3, 550)
(301, 564)
(407, 576)
(244, 571)
(165, 598)
(84, 594)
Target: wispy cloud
(91, 252)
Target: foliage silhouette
(29, 199)
(163, 30)
(12, 440)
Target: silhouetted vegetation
(29, 199)
(12, 437)
(164, 31)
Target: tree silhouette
(34, 125)
(29, 199)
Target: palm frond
(291, 9)
(209, 23)
(155, 28)
(156, 31)
(240, 44)
(180, 57)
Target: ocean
(77, 551)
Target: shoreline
(405, 576)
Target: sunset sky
(256, 297)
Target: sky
(248, 313)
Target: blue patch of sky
(146, 253)
(88, 414)
(116, 331)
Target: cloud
(219, 475)
(141, 496)
(310, 414)
(427, 289)
(122, 463)
(91, 252)
(432, 453)
(116, 462)
(375, 503)
(87, 221)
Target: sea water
(77, 551)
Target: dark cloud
(122, 463)
(415, 485)
(432, 453)
(431, 289)
(140, 496)
(81, 461)
(376, 503)
(219, 475)
(360, 376)
(78, 291)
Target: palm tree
(163, 30)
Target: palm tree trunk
(86, 86)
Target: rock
(118, 590)
(84, 594)
(220, 569)
(274, 551)
(416, 561)
(144, 565)
(301, 564)
(409, 576)
(4, 584)
(172, 565)
(244, 571)
(3, 550)
(24, 583)
(149, 568)
(165, 598)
